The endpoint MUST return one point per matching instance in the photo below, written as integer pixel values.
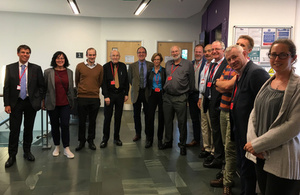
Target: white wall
(265, 13)
(46, 34)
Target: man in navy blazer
(211, 102)
(198, 63)
(23, 92)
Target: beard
(176, 57)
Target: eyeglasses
(281, 56)
(141, 52)
(216, 49)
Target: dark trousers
(214, 114)
(247, 169)
(60, 117)
(155, 100)
(171, 105)
(117, 101)
(270, 184)
(15, 120)
(137, 112)
(87, 107)
(195, 115)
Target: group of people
(242, 120)
(248, 120)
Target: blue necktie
(23, 83)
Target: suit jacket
(215, 95)
(201, 68)
(134, 78)
(150, 76)
(281, 143)
(249, 84)
(50, 95)
(35, 85)
(108, 77)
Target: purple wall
(216, 15)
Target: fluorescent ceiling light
(143, 5)
(74, 6)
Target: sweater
(88, 81)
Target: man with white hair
(180, 82)
(115, 89)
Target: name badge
(18, 87)
(157, 89)
(202, 81)
(208, 84)
(169, 78)
(112, 82)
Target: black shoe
(209, 159)
(103, 144)
(166, 145)
(148, 144)
(213, 164)
(160, 145)
(80, 146)
(182, 151)
(204, 154)
(118, 142)
(92, 145)
(11, 160)
(28, 156)
(219, 175)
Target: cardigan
(50, 97)
(281, 143)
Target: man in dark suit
(23, 92)
(137, 75)
(198, 63)
(212, 99)
(115, 89)
(250, 79)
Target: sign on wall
(263, 38)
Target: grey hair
(179, 48)
(221, 43)
(239, 48)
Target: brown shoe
(136, 138)
(193, 143)
(227, 190)
(217, 183)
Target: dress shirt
(197, 69)
(203, 77)
(26, 74)
(157, 79)
(183, 77)
(90, 66)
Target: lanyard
(234, 93)
(212, 74)
(112, 70)
(174, 69)
(156, 78)
(206, 68)
(198, 65)
(20, 77)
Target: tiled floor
(130, 169)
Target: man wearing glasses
(212, 99)
(137, 76)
